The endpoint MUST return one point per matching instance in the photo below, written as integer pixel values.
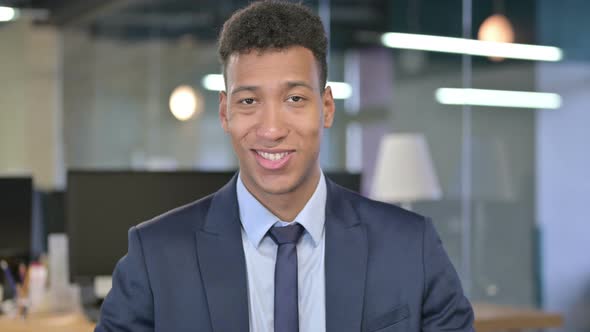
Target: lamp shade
(404, 172)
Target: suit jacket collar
(223, 266)
(224, 211)
(346, 262)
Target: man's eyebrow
(288, 85)
(244, 88)
(293, 84)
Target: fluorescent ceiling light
(214, 82)
(498, 98)
(340, 90)
(7, 14)
(471, 47)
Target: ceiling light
(498, 98)
(7, 14)
(185, 102)
(213, 82)
(496, 28)
(470, 47)
(340, 90)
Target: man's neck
(288, 205)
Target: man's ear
(329, 107)
(223, 116)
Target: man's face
(275, 113)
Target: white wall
(563, 197)
(30, 103)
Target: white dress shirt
(261, 251)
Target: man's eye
(295, 99)
(247, 101)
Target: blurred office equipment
(52, 206)
(103, 205)
(61, 295)
(351, 181)
(404, 172)
(16, 205)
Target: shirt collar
(257, 219)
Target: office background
(86, 85)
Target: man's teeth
(272, 156)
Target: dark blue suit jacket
(386, 271)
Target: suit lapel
(222, 263)
(346, 263)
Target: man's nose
(271, 125)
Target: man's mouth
(272, 156)
(273, 160)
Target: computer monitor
(103, 205)
(16, 206)
(351, 181)
(53, 211)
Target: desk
(492, 318)
(488, 318)
(74, 322)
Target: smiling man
(280, 247)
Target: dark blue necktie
(286, 305)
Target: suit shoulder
(377, 213)
(180, 219)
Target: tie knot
(286, 234)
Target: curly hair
(267, 25)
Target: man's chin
(277, 187)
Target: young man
(280, 247)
